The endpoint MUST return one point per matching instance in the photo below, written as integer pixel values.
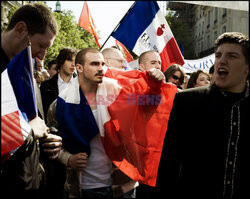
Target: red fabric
(87, 23)
(171, 54)
(134, 136)
(125, 52)
(11, 134)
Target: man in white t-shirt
(94, 171)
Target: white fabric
(62, 84)
(149, 40)
(97, 173)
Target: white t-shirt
(97, 173)
(62, 84)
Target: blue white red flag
(132, 111)
(145, 28)
(17, 103)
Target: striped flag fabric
(17, 103)
(145, 28)
(132, 111)
(87, 23)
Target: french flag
(17, 103)
(132, 111)
(145, 28)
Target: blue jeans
(98, 193)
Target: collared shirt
(62, 84)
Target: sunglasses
(176, 77)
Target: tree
(70, 35)
(181, 33)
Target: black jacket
(206, 146)
(49, 92)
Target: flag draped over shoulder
(145, 28)
(132, 111)
(75, 119)
(17, 103)
(87, 23)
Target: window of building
(202, 27)
(224, 12)
(208, 42)
(208, 19)
(199, 29)
(224, 29)
(215, 35)
(215, 15)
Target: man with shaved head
(113, 58)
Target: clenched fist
(156, 74)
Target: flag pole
(118, 24)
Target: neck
(10, 45)
(65, 78)
(87, 87)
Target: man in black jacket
(55, 171)
(205, 154)
(21, 175)
(51, 88)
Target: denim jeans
(98, 193)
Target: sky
(106, 14)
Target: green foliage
(10, 14)
(180, 31)
(70, 35)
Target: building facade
(207, 23)
(6, 7)
(210, 22)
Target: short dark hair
(66, 53)
(80, 57)
(172, 69)
(36, 16)
(235, 38)
(52, 62)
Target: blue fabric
(77, 124)
(136, 22)
(21, 80)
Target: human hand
(52, 144)
(156, 74)
(39, 127)
(78, 161)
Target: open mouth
(222, 72)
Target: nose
(41, 54)
(158, 66)
(222, 59)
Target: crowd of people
(204, 154)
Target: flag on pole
(87, 23)
(132, 111)
(125, 52)
(145, 28)
(17, 103)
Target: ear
(79, 68)
(20, 30)
(142, 67)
